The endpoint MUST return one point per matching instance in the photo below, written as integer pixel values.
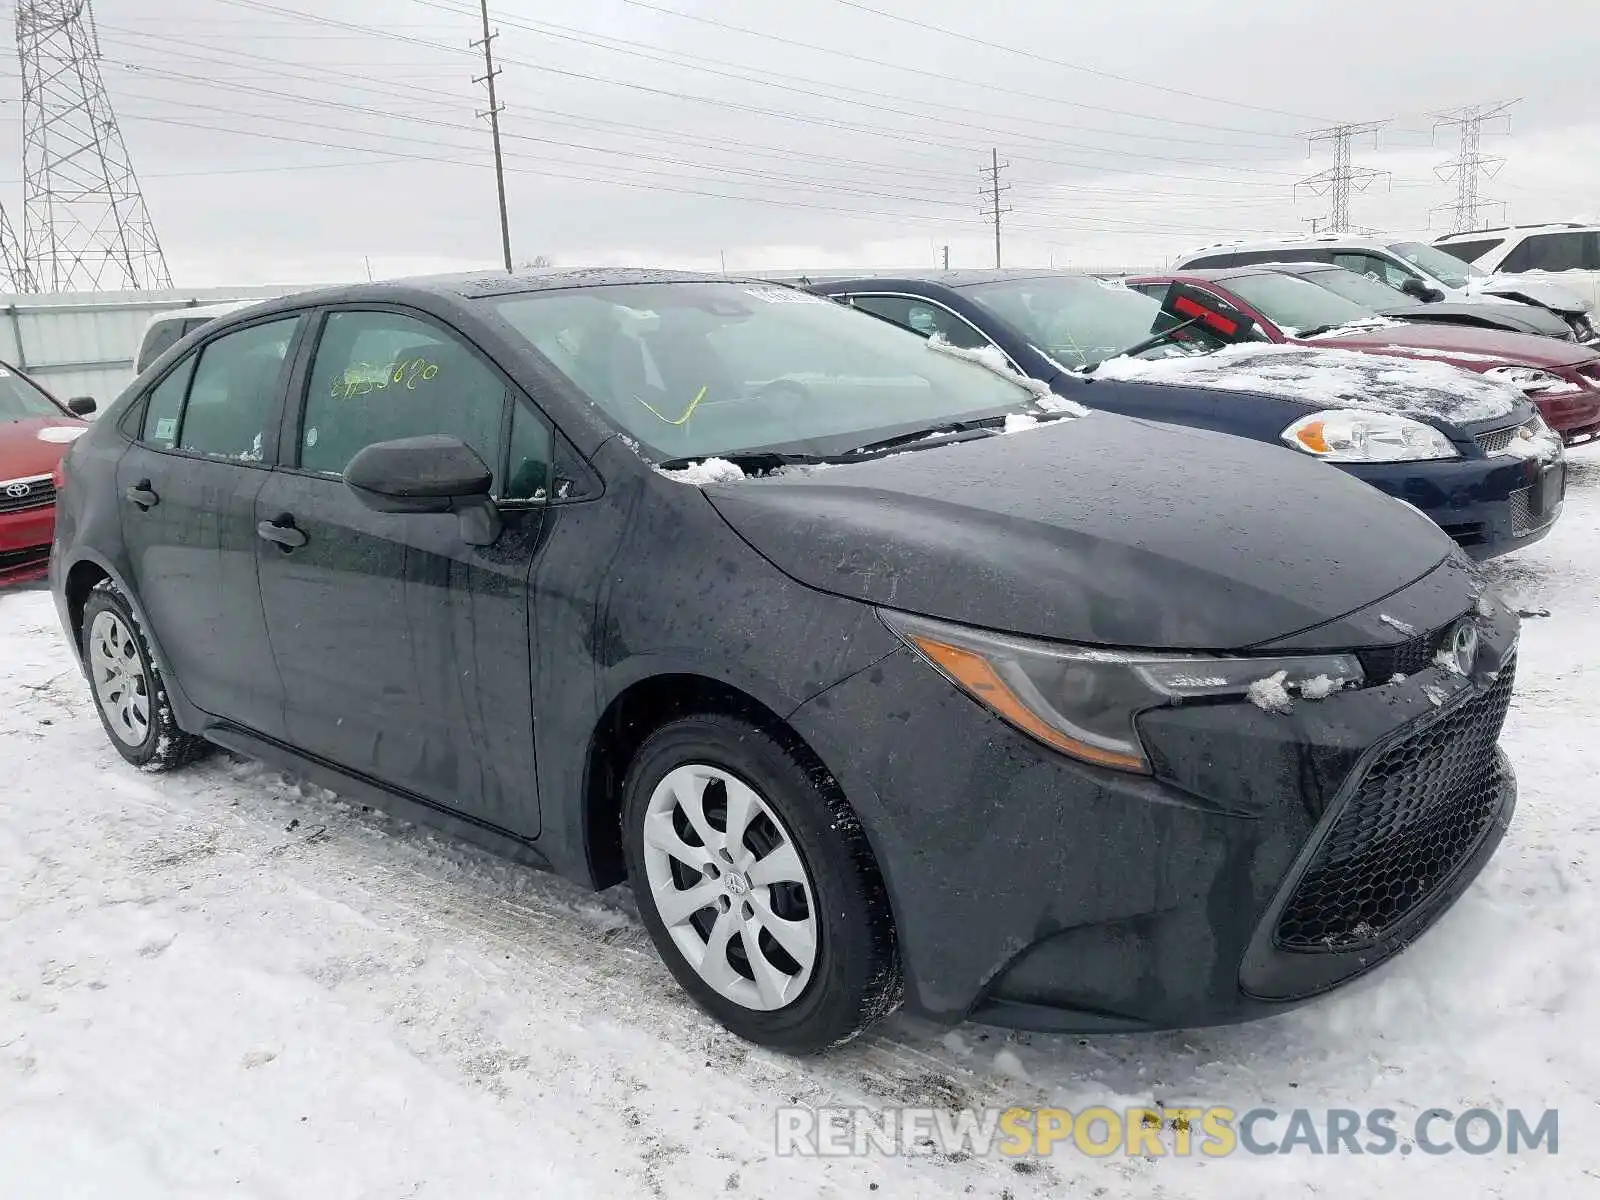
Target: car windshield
(1362, 289)
(699, 370)
(1080, 321)
(21, 401)
(1446, 268)
(1291, 303)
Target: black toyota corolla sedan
(880, 675)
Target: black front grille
(19, 494)
(1382, 663)
(1418, 813)
(11, 560)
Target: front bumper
(25, 538)
(1033, 891)
(1575, 416)
(1488, 506)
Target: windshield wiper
(1149, 343)
(751, 462)
(933, 435)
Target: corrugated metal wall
(83, 343)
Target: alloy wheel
(730, 887)
(121, 681)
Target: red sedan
(35, 431)
(1310, 304)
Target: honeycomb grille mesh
(1418, 813)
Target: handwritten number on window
(362, 378)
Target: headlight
(1528, 379)
(1083, 701)
(1353, 435)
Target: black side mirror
(1417, 290)
(432, 474)
(1189, 305)
(81, 406)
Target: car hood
(1332, 378)
(1476, 349)
(1530, 291)
(1484, 314)
(34, 445)
(1101, 530)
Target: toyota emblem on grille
(1464, 647)
(18, 490)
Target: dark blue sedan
(1474, 456)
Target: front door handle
(282, 531)
(141, 495)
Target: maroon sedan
(35, 431)
(1292, 304)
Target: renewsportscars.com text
(1212, 1132)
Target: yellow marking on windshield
(693, 404)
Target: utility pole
(991, 188)
(1471, 163)
(1338, 181)
(495, 108)
(944, 258)
(84, 221)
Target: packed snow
(1329, 378)
(223, 982)
(710, 470)
(1270, 694)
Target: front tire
(758, 886)
(129, 693)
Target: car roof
(951, 279)
(478, 285)
(1320, 242)
(1541, 227)
(1223, 274)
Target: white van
(167, 329)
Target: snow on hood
(1532, 291)
(1330, 379)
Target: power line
(1338, 180)
(899, 136)
(770, 79)
(1068, 66)
(1470, 164)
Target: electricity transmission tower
(1470, 164)
(991, 188)
(84, 221)
(1339, 180)
(14, 273)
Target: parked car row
(1063, 667)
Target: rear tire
(782, 932)
(128, 690)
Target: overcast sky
(295, 141)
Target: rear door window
(1549, 252)
(165, 406)
(233, 396)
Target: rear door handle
(140, 494)
(282, 531)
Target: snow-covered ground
(222, 983)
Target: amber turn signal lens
(978, 678)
